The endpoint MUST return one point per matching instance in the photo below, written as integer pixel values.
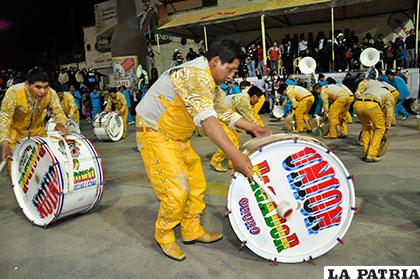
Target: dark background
(43, 32)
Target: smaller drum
(56, 176)
(71, 125)
(415, 106)
(301, 172)
(319, 126)
(277, 112)
(108, 126)
(290, 123)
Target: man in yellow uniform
(68, 104)
(256, 110)
(340, 97)
(118, 101)
(241, 103)
(23, 110)
(396, 94)
(302, 100)
(182, 98)
(374, 108)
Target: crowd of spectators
(282, 57)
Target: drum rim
(314, 253)
(58, 169)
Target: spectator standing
(251, 60)
(410, 45)
(63, 79)
(302, 45)
(127, 97)
(274, 56)
(389, 55)
(79, 79)
(191, 55)
(355, 57)
(288, 57)
(260, 57)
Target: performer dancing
(374, 108)
(241, 103)
(340, 98)
(302, 100)
(68, 104)
(184, 97)
(117, 101)
(23, 110)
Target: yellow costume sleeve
(56, 109)
(389, 109)
(324, 98)
(122, 106)
(291, 96)
(202, 99)
(242, 104)
(362, 86)
(7, 111)
(257, 107)
(72, 105)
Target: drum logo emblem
(283, 238)
(314, 183)
(247, 217)
(28, 163)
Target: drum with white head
(71, 125)
(56, 176)
(277, 112)
(301, 172)
(108, 126)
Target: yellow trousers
(219, 156)
(372, 120)
(301, 113)
(337, 115)
(125, 120)
(176, 175)
(396, 95)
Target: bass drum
(108, 126)
(71, 125)
(308, 176)
(277, 112)
(56, 176)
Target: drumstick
(2, 164)
(284, 209)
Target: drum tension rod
(329, 149)
(340, 240)
(311, 261)
(355, 209)
(275, 262)
(243, 243)
(227, 212)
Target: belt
(306, 97)
(143, 129)
(368, 100)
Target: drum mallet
(284, 209)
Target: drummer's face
(221, 72)
(254, 99)
(38, 89)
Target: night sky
(39, 32)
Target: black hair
(227, 50)
(316, 86)
(390, 72)
(113, 90)
(321, 76)
(59, 88)
(255, 90)
(282, 88)
(37, 74)
(330, 80)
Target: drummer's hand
(106, 110)
(242, 164)
(6, 151)
(386, 135)
(61, 128)
(261, 132)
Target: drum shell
(102, 127)
(58, 185)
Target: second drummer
(116, 102)
(23, 110)
(68, 104)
